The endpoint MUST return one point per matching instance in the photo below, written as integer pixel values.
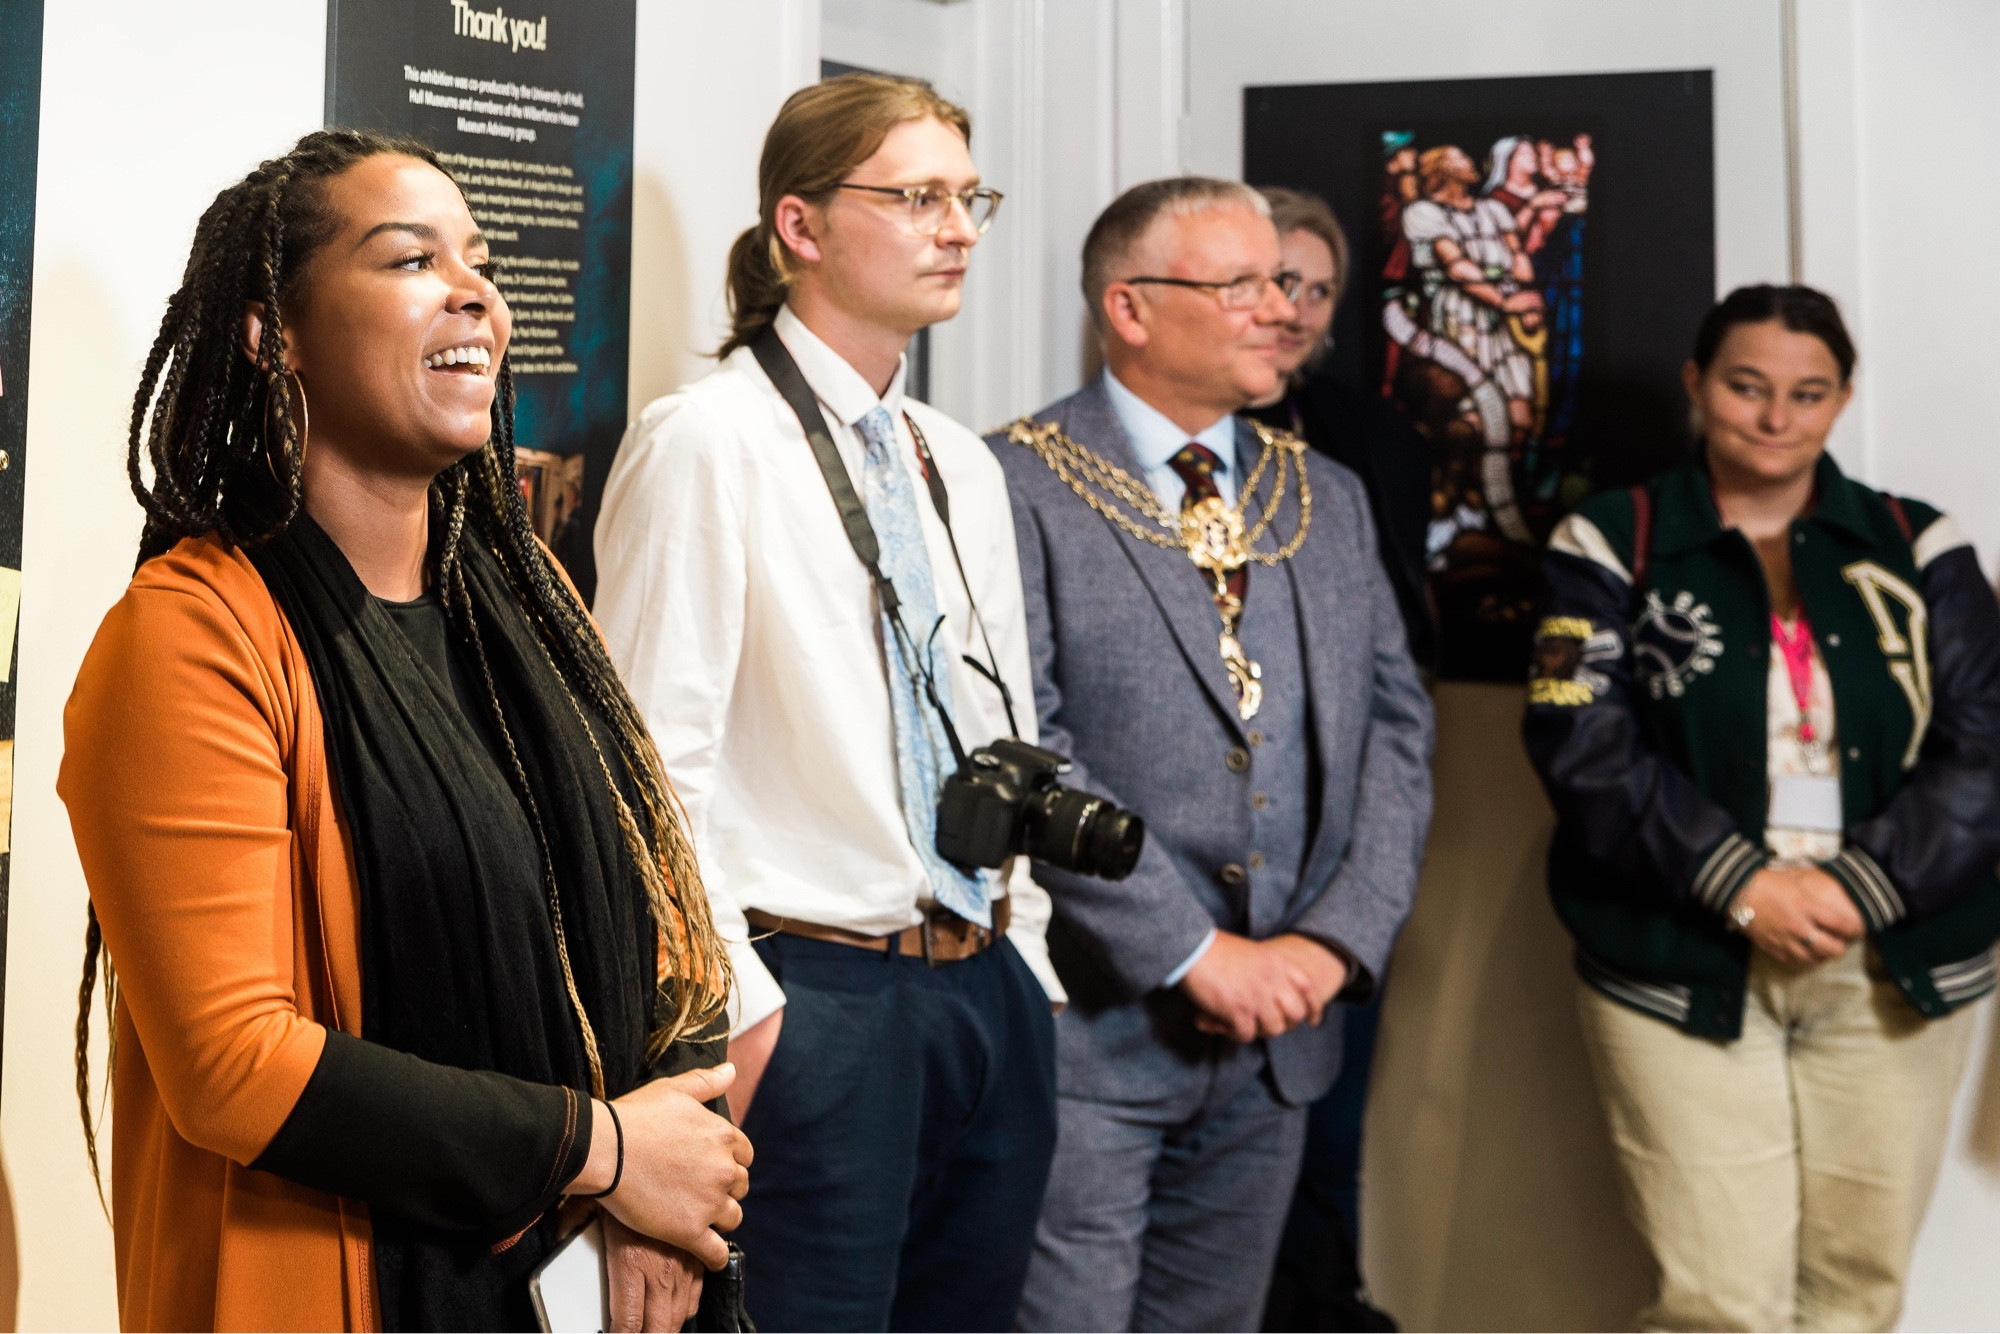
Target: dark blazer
(1129, 685)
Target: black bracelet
(618, 1174)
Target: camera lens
(1115, 840)
(1081, 832)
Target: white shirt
(749, 636)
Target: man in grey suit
(1214, 644)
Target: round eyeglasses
(1245, 293)
(930, 205)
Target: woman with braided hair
(409, 939)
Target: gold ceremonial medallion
(1246, 677)
(1212, 532)
(1216, 537)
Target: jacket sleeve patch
(1565, 648)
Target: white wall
(1927, 107)
(710, 78)
(145, 115)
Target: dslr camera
(1005, 800)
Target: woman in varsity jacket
(1766, 706)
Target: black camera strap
(990, 669)
(790, 382)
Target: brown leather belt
(942, 937)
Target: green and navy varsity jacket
(1646, 720)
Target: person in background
(892, 1017)
(1317, 1283)
(1766, 706)
(1352, 426)
(404, 923)
(1226, 658)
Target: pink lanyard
(1797, 647)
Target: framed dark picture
(1530, 257)
(533, 116)
(20, 126)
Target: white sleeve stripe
(1578, 536)
(1934, 541)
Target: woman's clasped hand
(685, 1167)
(1798, 915)
(685, 1171)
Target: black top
(1368, 434)
(460, 1114)
(423, 623)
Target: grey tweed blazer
(1130, 686)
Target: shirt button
(1256, 738)
(1238, 759)
(1260, 801)
(1256, 860)
(1232, 874)
(1799, 538)
(1854, 752)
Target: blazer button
(1238, 759)
(1232, 874)
(1833, 641)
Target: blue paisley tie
(921, 748)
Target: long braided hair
(216, 447)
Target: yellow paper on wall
(10, 612)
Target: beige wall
(1487, 1190)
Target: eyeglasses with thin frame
(1245, 293)
(930, 205)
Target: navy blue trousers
(903, 1133)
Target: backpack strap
(1642, 535)
(1902, 516)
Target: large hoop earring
(305, 429)
(305, 413)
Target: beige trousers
(1779, 1180)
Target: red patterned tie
(1196, 465)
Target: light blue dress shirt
(1154, 440)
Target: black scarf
(459, 961)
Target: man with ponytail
(890, 1017)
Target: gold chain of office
(1215, 536)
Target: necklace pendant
(1246, 677)
(1212, 532)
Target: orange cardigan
(197, 785)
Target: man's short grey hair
(1126, 220)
